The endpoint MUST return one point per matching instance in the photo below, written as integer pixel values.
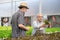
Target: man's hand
(43, 26)
(28, 28)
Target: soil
(40, 36)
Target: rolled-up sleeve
(20, 20)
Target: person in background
(38, 24)
(18, 23)
(5, 21)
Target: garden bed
(52, 36)
(5, 32)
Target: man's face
(24, 9)
(39, 18)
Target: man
(38, 24)
(18, 23)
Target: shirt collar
(22, 13)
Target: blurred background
(46, 7)
(49, 8)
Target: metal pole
(40, 10)
(15, 5)
(11, 6)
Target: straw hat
(23, 5)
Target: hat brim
(23, 7)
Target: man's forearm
(22, 26)
(43, 25)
